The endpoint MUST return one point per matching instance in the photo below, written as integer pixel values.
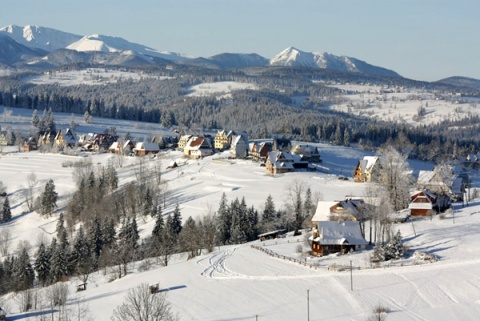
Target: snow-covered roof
(323, 211)
(147, 146)
(336, 233)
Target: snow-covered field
(243, 283)
(402, 104)
(215, 88)
(90, 76)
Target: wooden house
(182, 142)
(223, 140)
(259, 151)
(239, 147)
(422, 203)
(29, 144)
(65, 138)
(46, 138)
(279, 162)
(115, 148)
(366, 170)
(144, 148)
(337, 237)
(198, 147)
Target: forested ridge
(261, 113)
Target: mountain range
(43, 47)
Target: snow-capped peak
(40, 37)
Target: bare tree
(29, 192)
(395, 177)
(141, 305)
(5, 241)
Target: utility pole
(308, 305)
(351, 276)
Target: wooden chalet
(422, 203)
(279, 163)
(115, 148)
(259, 151)
(223, 140)
(182, 142)
(198, 147)
(239, 147)
(29, 144)
(46, 138)
(65, 138)
(336, 237)
(144, 148)
(366, 169)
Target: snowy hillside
(44, 38)
(240, 282)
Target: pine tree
(189, 238)
(35, 120)
(50, 122)
(239, 222)
(268, 215)
(60, 226)
(177, 220)
(42, 264)
(23, 272)
(59, 264)
(147, 202)
(394, 247)
(298, 215)
(378, 254)
(48, 201)
(224, 221)
(252, 215)
(6, 212)
(159, 226)
(108, 232)
(95, 239)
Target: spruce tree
(224, 221)
(59, 264)
(6, 212)
(268, 215)
(48, 200)
(42, 264)
(35, 120)
(95, 239)
(23, 272)
(177, 220)
(159, 226)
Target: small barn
(422, 203)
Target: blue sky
(419, 39)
